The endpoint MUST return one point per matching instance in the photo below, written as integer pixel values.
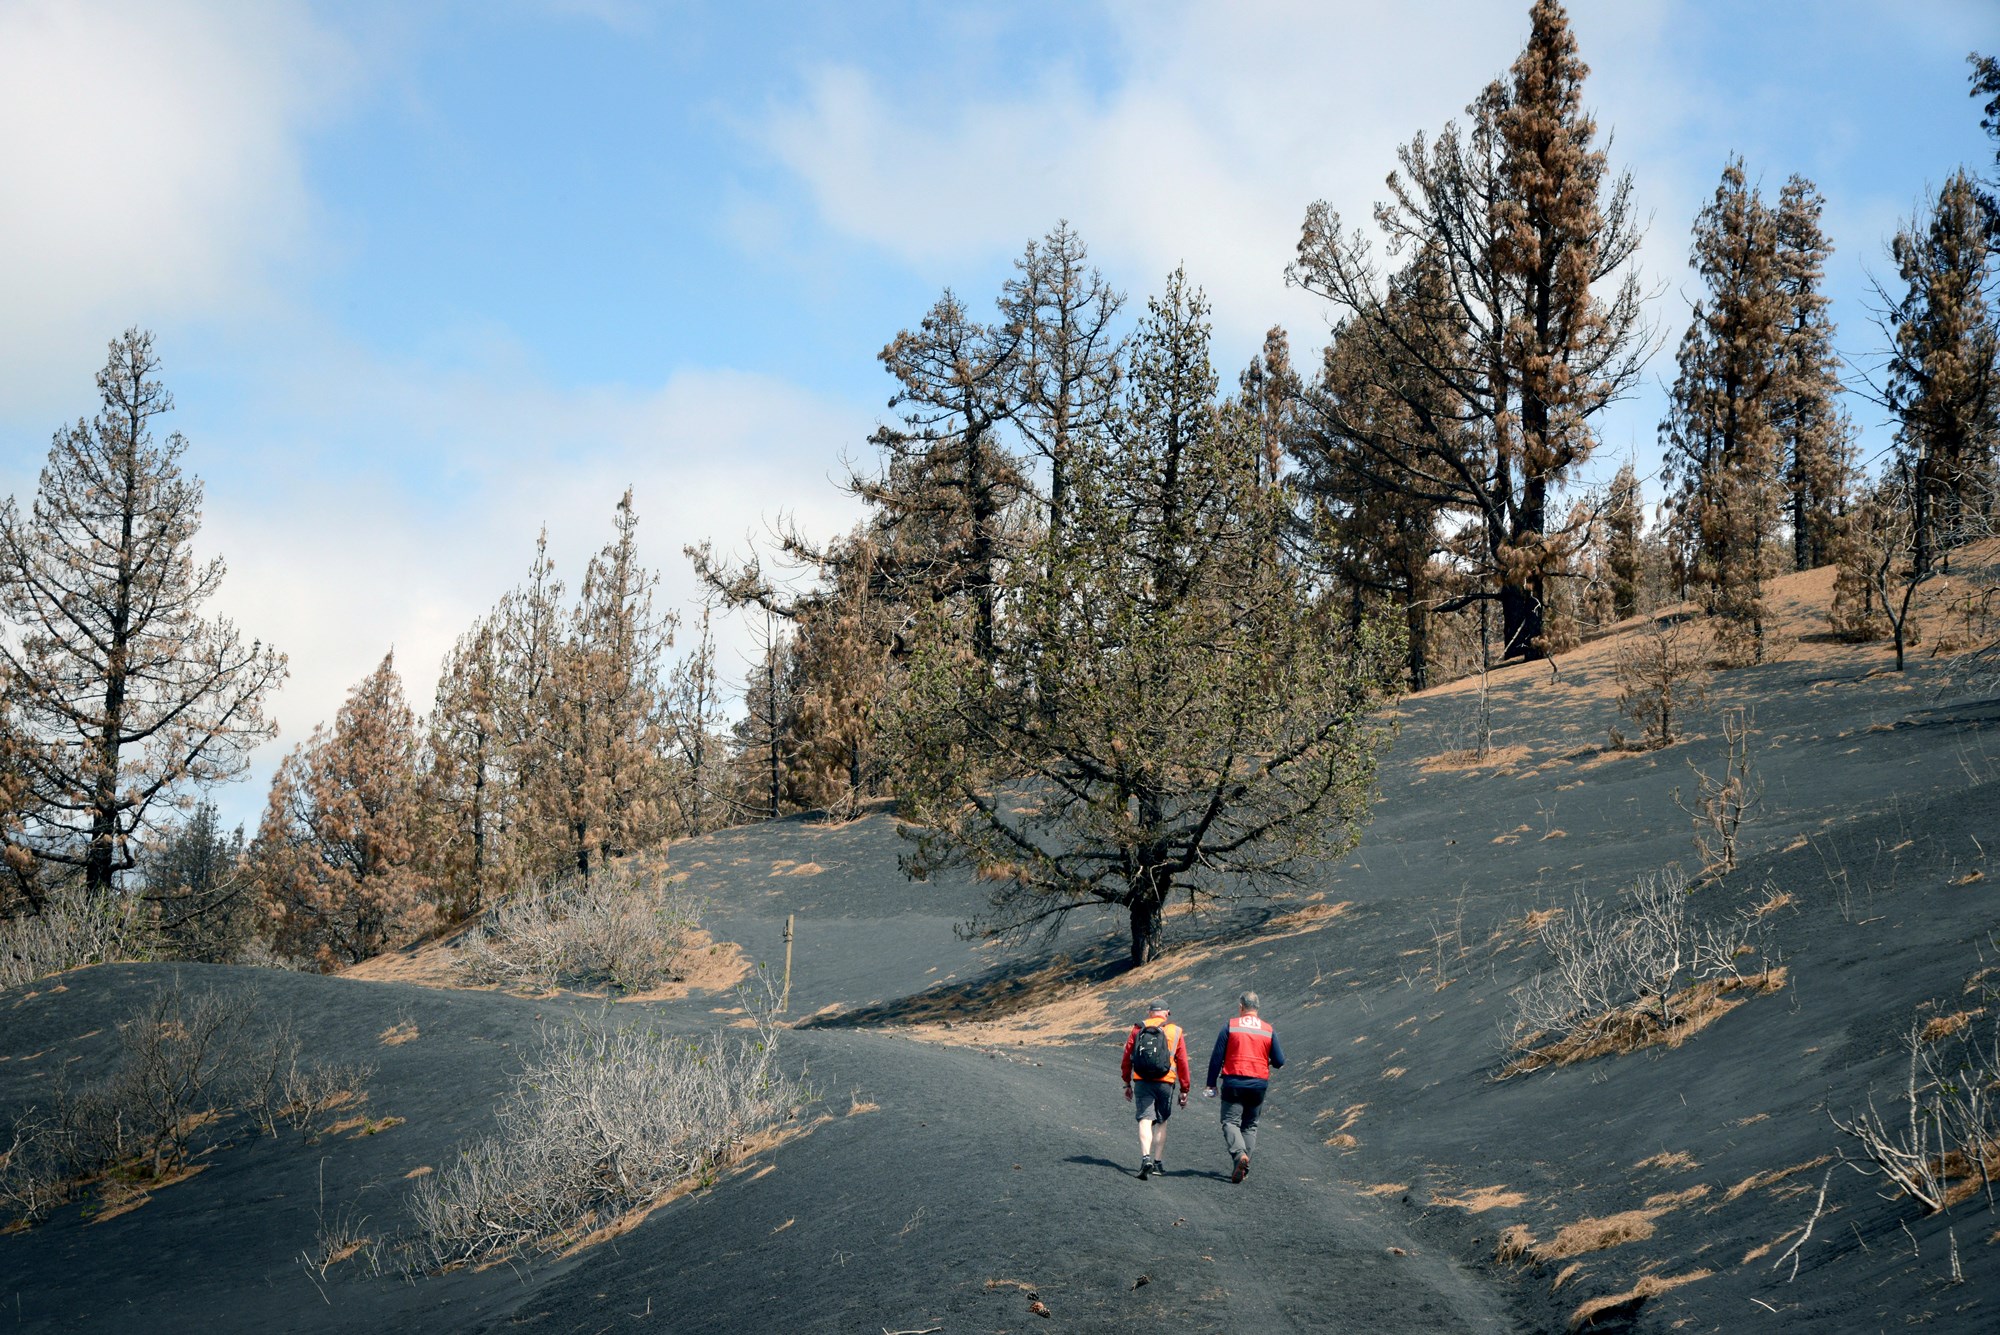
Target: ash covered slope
(973, 1149)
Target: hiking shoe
(1159, 1168)
(1242, 1169)
(1145, 1169)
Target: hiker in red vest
(1155, 1059)
(1246, 1052)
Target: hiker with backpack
(1246, 1052)
(1155, 1061)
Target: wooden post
(785, 999)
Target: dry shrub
(1660, 676)
(1622, 967)
(186, 1061)
(74, 928)
(1940, 1142)
(603, 1121)
(625, 928)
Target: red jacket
(1246, 1049)
(1175, 1038)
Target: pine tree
(1944, 371)
(606, 785)
(694, 714)
(1517, 210)
(198, 881)
(465, 777)
(335, 857)
(763, 737)
(840, 675)
(1367, 440)
(127, 697)
(1168, 714)
(1064, 359)
(948, 483)
(1815, 435)
(1721, 443)
(1557, 237)
(1624, 556)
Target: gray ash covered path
(984, 1180)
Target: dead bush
(602, 1121)
(1660, 676)
(74, 928)
(1608, 964)
(1721, 801)
(185, 1062)
(625, 928)
(1940, 1141)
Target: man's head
(1247, 1003)
(1157, 1006)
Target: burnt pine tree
(128, 699)
(1168, 712)
(335, 859)
(465, 776)
(1815, 449)
(1943, 371)
(1719, 437)
(1065, 357)
(1519, 209)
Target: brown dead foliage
(1944, 1026)
(1649, 1286)
(1481, 1199)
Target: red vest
(1248, 1055)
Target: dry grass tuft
(1758, 1181)
(1596, 1235)
(1651, 1286)
(1515, 1240)
(1481, 1199)
(1777, 899)
(1944, 1026)
(403, 1031)
(1675, 1159)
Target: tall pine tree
(1721, 442)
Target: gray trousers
(1239, 1119)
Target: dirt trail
(983, 1181)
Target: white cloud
(1224, 123)
(335, 559)
(150, 170)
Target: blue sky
(426, 277)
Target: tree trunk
(1147, 936)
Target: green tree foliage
(1519, 212)
(198, 881)
(1943, 371)
(335, 859)
(948, 483)
(127, 699)
(1381, 448)
(1167, 711)
(1624, 555)
(1720, 439)
(1816, 450)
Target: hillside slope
(969, 1152)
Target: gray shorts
(1153, 1100)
